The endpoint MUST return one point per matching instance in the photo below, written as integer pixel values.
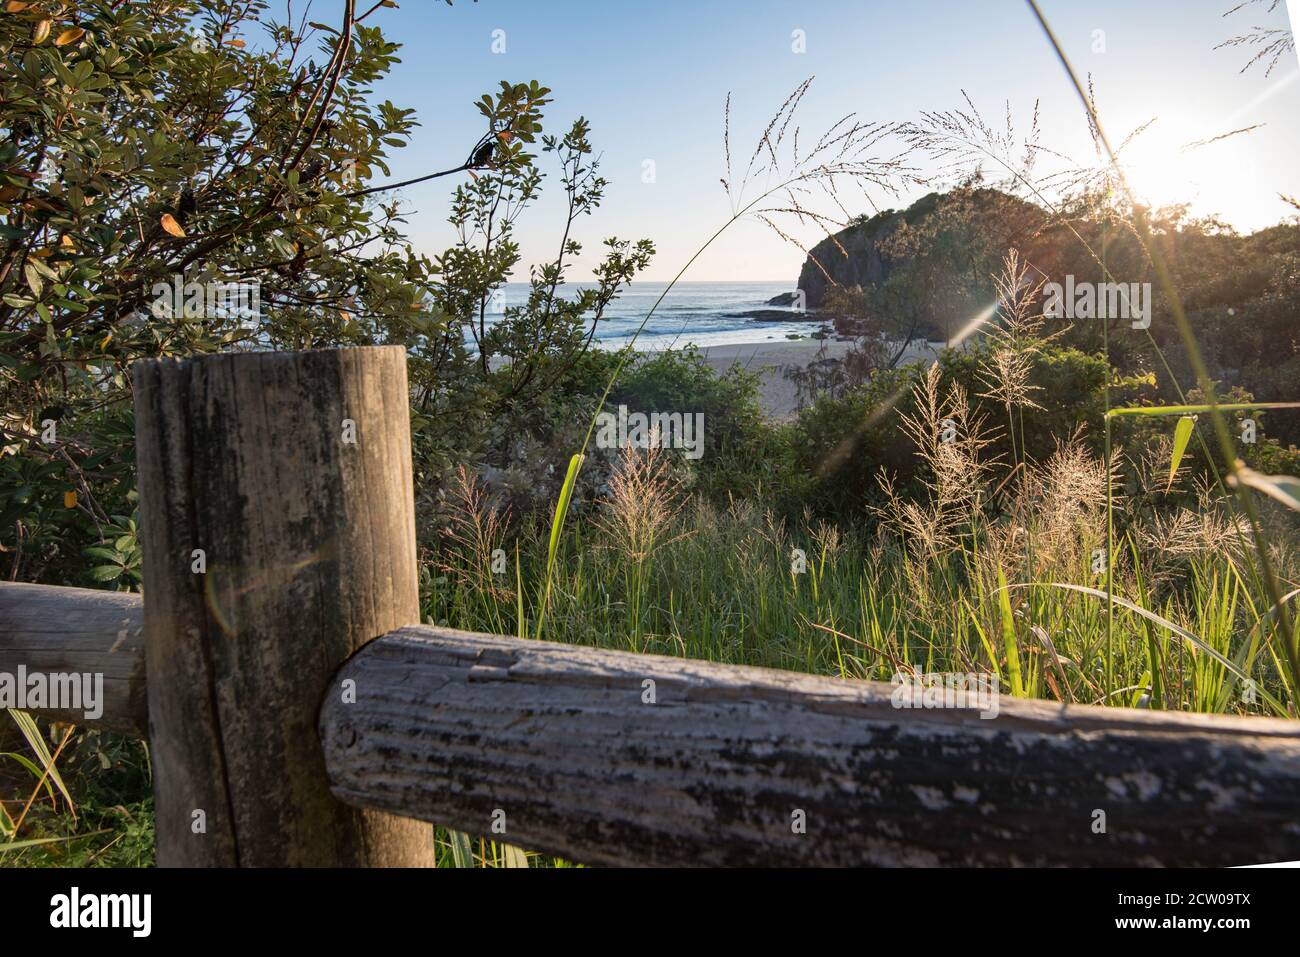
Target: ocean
(698, 313)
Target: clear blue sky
(652, 80)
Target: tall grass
(945, 584)
(1261, 563)
(727, 594)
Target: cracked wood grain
(51, 629)
(309, 544)
(451, 727)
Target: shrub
(744, 454)
(843, 443)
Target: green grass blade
(1155, 657)
(1182, 435)
(513, 856)
(1197, 409)
(557, 532)
(1009, 636)
(27, 724)
(462, 852)
(1149, 615)
(521, 625)
(979, 631)
(40, 841)
(31, 766)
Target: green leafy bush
(844, 443)
(745, 455)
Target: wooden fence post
(279, 537)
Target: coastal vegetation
(910, 518)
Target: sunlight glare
(1163, 169)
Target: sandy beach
(771, 359)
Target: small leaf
(70, 499)
(41, 31)
(237, 44)
(16, 6)
(71, 35)
(106, 573)
(171, 226)
(34, 279)
(1182, 434)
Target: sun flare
(1171, 163)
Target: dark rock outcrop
(854, 256)
(774, 315)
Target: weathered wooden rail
(54, 630)
(296, 716)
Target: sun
(1171, 163)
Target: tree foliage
(192, 145)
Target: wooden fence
(297, 715)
